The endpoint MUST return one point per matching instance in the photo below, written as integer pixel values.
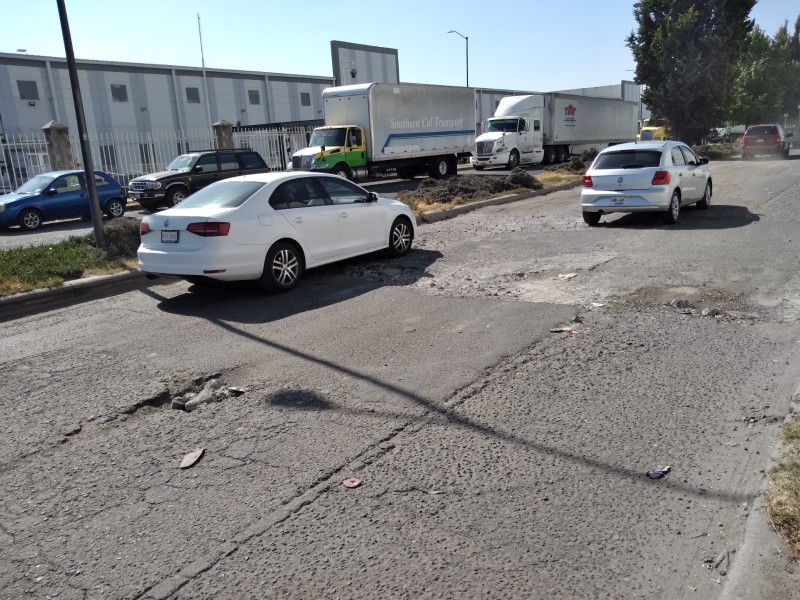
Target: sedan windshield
(223, 194)
(35, 185)
(505, 125)
(182, 162)
(628, 159)
(327, 137)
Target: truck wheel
(176, 195)
(549, 155)
(563, 154)
(342, 170)
(478, 167)
(438, 167)
(513, 160)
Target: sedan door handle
(298, 220)
(343, 215)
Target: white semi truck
(547, 128)
(375, 128)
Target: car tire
(400, 237)
(114, 208)
(592, 219)
(148, 205)
(438, 167)
(176, 195)
(513, 160)
(342, 170)
(705, 201)
(30, 219)
(674, 211)
(283, 268)
(478, 167)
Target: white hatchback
(645, 177)
(271, 227)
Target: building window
(305, 99)
(253, 96)
(28, 90)
(119, 92)
(193, 95)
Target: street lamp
(466, 39)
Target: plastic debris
(566, 276)
(597, 304)
(192, 458)
(659, 472)
(565, 329)
(353, 482)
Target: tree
(686, 52)
(765, 73)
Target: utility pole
(86, 151)
(205, 79)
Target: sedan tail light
(211, 229)
(587, 181)
(660, 178)
(144, 228)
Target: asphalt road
(496, 459)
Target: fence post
(223, 134)
(58, 148)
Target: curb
(441, 215)
(71, 292)
(101, 286)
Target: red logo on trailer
(569, 111)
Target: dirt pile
(464, 188)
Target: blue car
(59, 195)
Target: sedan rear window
(762, 130)
(628, 159)
(223, 194)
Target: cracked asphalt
(496, 457)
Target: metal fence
(275, 145)
(126, 155)
(22, 156)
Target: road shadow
(246, 302)
(718, 216)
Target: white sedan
(271, 227)
(661, 176)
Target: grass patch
(782, 496)
(718, 151)
(37, 267)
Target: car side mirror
(789, 133)
(51, 192)
(703, 160)
(198, 169)
(372, 197)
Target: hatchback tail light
(587, 181)
(144, 228)
(660, 178)
(211, 229)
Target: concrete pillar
(223, 134)
(57, 136)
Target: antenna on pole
(205, 79)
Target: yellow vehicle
(653, 129)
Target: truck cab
(653, 129)
(513, 136)
(339, 149)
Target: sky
(533, 44)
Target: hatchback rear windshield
(223, 194)
(762, 130)
(628, 159)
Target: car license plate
(619, 201)
(759, 141)
(169, 237)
